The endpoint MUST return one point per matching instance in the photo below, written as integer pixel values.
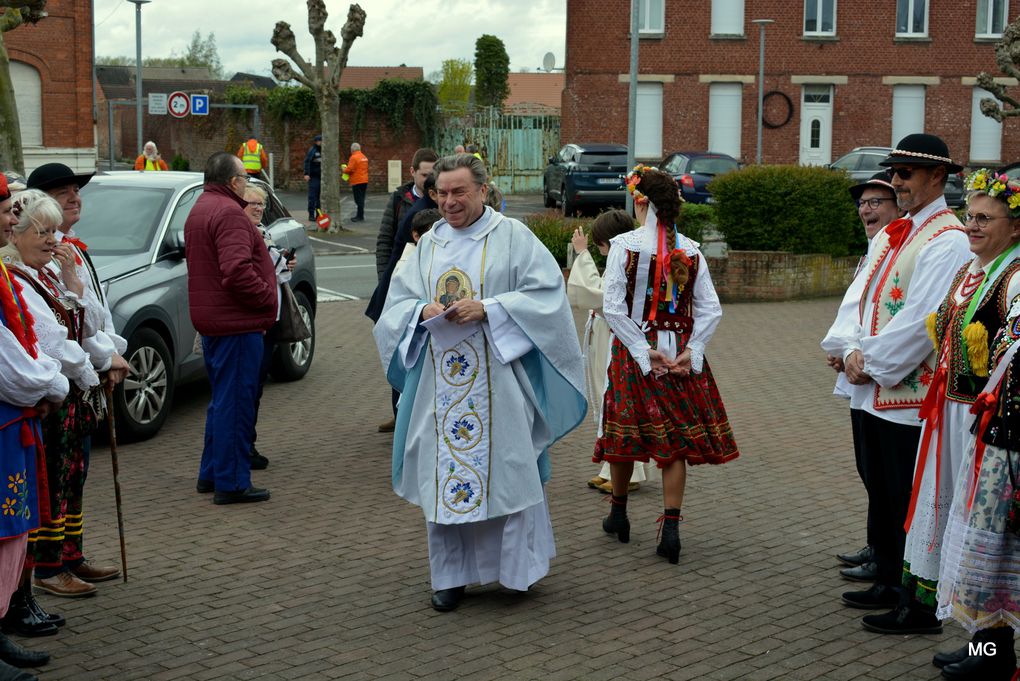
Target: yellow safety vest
(151, 165)
(252, 159)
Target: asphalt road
(345, 277)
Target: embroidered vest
(681, 321)
(893, 269)
(68, 314)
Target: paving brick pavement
(329, 579)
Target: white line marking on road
(357, 249)
(343, 267)
(333, 296)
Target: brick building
(838, 74)
(51, 69)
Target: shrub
(554, 231)
(695, 219)
(788, 208)
(180, 163)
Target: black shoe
(669, 547)
(446, 600)
(22, 620)
(867, 572)
(243, 496)
(865, 555)
(258, 462)
(9, 673)
(14, 654)
(903, 620)
(997, 667)
(878, 597)
(940, 660)
(617, 522)
(205, 486)
(51, 617)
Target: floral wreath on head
(997, 186)
(634, 179)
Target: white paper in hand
(446, 334)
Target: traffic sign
(178, 104)
(199, 105)
(157, 103)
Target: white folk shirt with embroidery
(846, 328)
(903, 343)
(463, 410)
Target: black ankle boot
(22, 620)
(35, 607)
(996, 661)
(616, 522)
(669, 546)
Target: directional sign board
(178, 104)
(157, 103)
(199, 105)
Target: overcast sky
(416, 33)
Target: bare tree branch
(284, 41)
(1007, 58)
(353, 29)
(283, 72)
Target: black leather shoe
(38, 611)
(243, 496)
(205, 486)
(865, 555)
(940, 660)
(258, 462)
(903, 620)
(868, 572)
(878, 597)
(997, 667)
(9, 673)
(617, 522)
(23, 620)
(446, 600)
(14, 654)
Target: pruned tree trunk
(1007, 58)
(322, 76)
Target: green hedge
(788, 208)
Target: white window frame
(28, 101)
(819, 6)
(647, 27)
(911, 4)
(727, 17)
(649, 113)
(902, 98)
(988, 31)
(725, 138)
(985, 132)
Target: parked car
(861, 163)
(133, 223)
(693, 170)
(586, 175)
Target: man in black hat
(876, 206)
(313, 176)
(911, 266)
(72, 577)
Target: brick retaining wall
(746, 276)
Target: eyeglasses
(256, 204)
(872, 203)
(243, 175)
(982, 220)
(902, 173)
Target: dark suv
(586, 175)
(862, 162)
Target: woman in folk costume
(662, 403)
(64, 331)
(584, 290)
(962, 329)
(979, 574)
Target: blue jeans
(232, 363)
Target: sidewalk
(329, 579)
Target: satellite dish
(548, 61)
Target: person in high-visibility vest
(150, 158)
(253, 155)
(355, 171)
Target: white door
(816, 125)
(648, 130)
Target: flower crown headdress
(634, 179)
(997, 186)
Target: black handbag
(291, 328)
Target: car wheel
(142, 402)
(549, 201)
(291, 361)
(569, 207)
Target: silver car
(133, 223)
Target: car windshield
(603, 159)
(712, 166)
(119, 220)
(871, 162)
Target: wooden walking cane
(116, 472)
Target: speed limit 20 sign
(178, 104)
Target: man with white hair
(356, 173)
(150, 158)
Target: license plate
(608, 180)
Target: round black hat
(54, 175)
(921, 149)
(880, 179)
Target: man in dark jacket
(313, 176)
(233, 300)
(400, 200)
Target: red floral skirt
(662, 419)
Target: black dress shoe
(9, 673)
(903, 620)
(51, 617)
(19, 656)
(205, 486)
(446, 600)
(22, 620)
(865, 555)
(940, 660)
(878, 597)
(258, 462)
(868, 572)
(243, 496)
(995, 661)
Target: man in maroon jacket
(233, 300)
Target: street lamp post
(632, 95)
(138, 68)
(762, 23)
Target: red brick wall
(60, 48)
(598, 51)
(745, 276)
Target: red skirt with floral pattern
(662, 419)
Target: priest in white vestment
(478, 337)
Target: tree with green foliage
(454, 86)
(322, 77)
(492, 71)
(201, 52)
(13, 13)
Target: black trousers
(856, 427)
(359, 191)
(888, 451)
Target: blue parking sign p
(199, 105)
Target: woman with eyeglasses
(979, 571)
